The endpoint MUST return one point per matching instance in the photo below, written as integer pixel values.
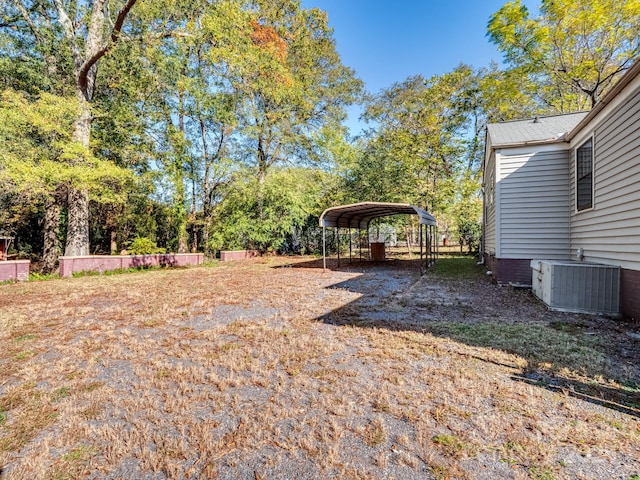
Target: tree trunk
(262, 177)
(183, 246)
(179, 208)
(179, 200)
(78, 198)
(205, 236)
(77, 224)
(113, 243)
(95, 45)
(51, 232)
(194, 244)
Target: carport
(359, 215)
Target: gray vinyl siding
(490, 207)
(534, 213)
(610, 232)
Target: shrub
(144, 246)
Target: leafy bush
(144, 246)
(35, 276)
(260, 216)
(470, 232)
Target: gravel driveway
(271, 369)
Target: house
(567, 188)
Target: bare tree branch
(115, 34)
(28, 19)
(65, 21)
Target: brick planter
(103, 263)
(228, 255)
(14, 270)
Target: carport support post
(338, 244)
(427, 246)
(324, 249)
(434, 245)
(349, 244)
(420, 241)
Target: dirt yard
(272, 369)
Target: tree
(192, 117)
(426, 146)
(280, 70)
(84, 32)
(282, 63)
(419, 134)
(379, 174)
(38, 161)
(289, 197)
(574, 51)
(463, 213)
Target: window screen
(584, 176)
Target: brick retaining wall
(103, 263)
(14, 270)
(227, 255)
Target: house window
(584, 176)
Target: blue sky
(387, 41)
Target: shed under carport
(359, 216)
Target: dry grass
(251, 371)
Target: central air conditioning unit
(580, 287)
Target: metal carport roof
(359, 215)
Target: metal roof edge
(360, 212)
(541, 117)
(551, 141)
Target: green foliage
(457, 267)
(60, 393)
(574, 51)
(451, 444)
(426, 148)
(465, 211)
(419, 142)
(259, 216)
(239, 85)
(116, 271)
(505, 95)
(37, 277)
(469, 232)
(40, 156)
(281, 63)
(28, 336)
(39, 164)
(228, 132)
(143, 246)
